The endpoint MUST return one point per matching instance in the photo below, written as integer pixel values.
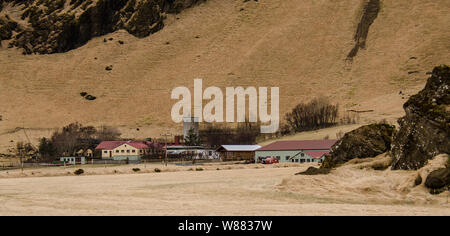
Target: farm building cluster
(299, 151)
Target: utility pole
(165, 141)
(21, 151)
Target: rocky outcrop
(367, 141)
(424, 131)
(7, 27)
(418, 180)
(438, 180)
(315, 171)
(55, 26)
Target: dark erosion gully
(370, 13)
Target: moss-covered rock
(7, 26)
(147, 19)
(364, 142)
(424, 131)
(315, 171)
(58, 27)
(90, 97)
(438, 180)
(418, 180)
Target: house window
(287, 158)
(308, 160)
(296, 160)
(128, 151)
(303, 154)
(117, 151)
(106, 152)
(134, 151)
(122, 151)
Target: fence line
(100, 162)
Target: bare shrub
(74, 137)
(46, 149)
(107, 133)
(285, 129)
(317, 114)
(244, 133)
(349, 118)
(22, 149)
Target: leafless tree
(107, 133)
(317, 114)
(244, 133)
(74, 137)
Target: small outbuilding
(73, 160)
(237, 152)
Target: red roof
(316, 154)
(299, 145)
(109, 145)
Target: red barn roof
(299, 145)
(109, 145)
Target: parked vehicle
(270, 160)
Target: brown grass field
(231, 190)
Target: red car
(270, 160)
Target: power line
(165, 140)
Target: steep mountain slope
(301, 47)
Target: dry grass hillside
(299, 46)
